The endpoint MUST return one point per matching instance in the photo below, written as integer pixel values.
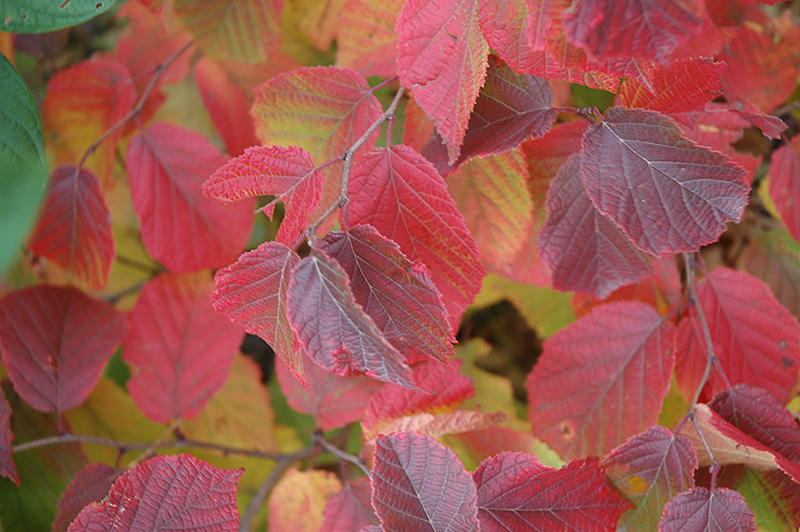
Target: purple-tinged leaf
(420, 485)
(350, 509)
(7, 467)
(784, 184)
(702, 510)
(89, 485)
(667, 194)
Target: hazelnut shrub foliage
(349, 179)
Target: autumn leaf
(720, 510)
(299, 499)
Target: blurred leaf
(39, 16)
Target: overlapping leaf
(299, 499)
(333, 328)
(784, 184)
(407, 480)
(350, 509)
(89, 486)
(504, 24)
(74, 230)
(516, 493)
(7, 467)
(55, 342)
(586, 252)
(437, 425)
(601, 379)
(442, 60)
(179, 492)
(773, 496)
(650, 469)
(181, 349)
(181, 228)
(703, 510)
(755, 339)
(401, 194)
(252, 293)
(366, 39)
(665, 193)
(397, 294)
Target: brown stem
(341, 455)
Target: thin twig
(341, 455)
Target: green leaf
(23, 171)
(39, 16)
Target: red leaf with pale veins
(516, 493)
(667, 194)
(586, 252)
(179, 493)
(601, 379)
(397, 191)
(252, 293)
(442, 60)
(756, 340)
(74, 230)
(417, 484)
(334, 401)
(350, 509)
(649, 469)
(55, 342)
(286, 172)
(702, 510)
(510, 108)
(8, 468)
(397, 294)
(683, 86)
(784, 184)
(333, 328)
(492, 194)
(181, 348)
(181, 228)
(366, 39)
(88, 486)
(650, 29)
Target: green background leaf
(38, 16)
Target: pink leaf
(784, 184)
(178, 493)
(601, 379)
(771, 126)
(181, 349)
(333, 328)
(401, 194)
(510, 108)
(350, 509)
(252, 293)
(55, 342)
(74, 230)
(586, 252)
(417, 484)
(504, 24)
(702, 510)
(334, 401)
(665, 193)
(397, 294)
(89, 486)
(181, 228)
(516, 493)
(649, 469)
(442, 60)
(649, 29)
(755, 339)
(8, 468)
(366, 39)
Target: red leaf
(442, 387)
(334, 401)
(701, 510)
(510, 108)
(179, 493)
(74, 230)
(350, 509)
(442, 60)
(518, 494)
(366, 40)
(182, 350)
(181, 228)
(227, 104)
(252, 293)
(504, 24)
(755, 339)
(89, 486)
(55, 342)
(649, 29)
(666, 194)
(649, 469)
(8, 468)
(771, 126)
(586, 252)
(401, 194)
(333, 328)
(784, 184)
(601, 379)
(683, 86)
(286, 172)
(397, 294)
(417, 484)
(546, 155)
